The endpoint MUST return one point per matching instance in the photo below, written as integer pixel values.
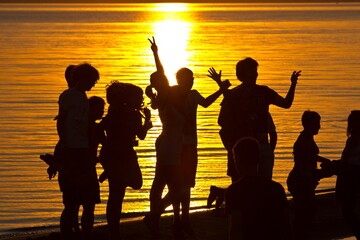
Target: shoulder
(266, 90)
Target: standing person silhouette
(189, 155)
(305, 175)
(122, 124)
(170, 102)
(257, 206)
(244, 112)
(76, 169)
(217, 194)
(348, 180)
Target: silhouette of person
(217, 194)
(123, 123)
(170, 102)
(257, 206)
(185, 80)
(348, 180)
(49, 158)
(305, 175)
(244, 112)
(77, 174)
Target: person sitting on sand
(257, 206)
(217, 194)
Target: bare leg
(87, 220)
(114, 208)
(66, 221)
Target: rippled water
(38, 41)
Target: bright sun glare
(171, 7)
(172, 39)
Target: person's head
(353, 128)
(311, 122)
(97, 105)
(158, 80)
(135, 96)
(124, 94)
(68, 76)
(246, 156)
(85, 76)
(185, 78)
(246, 70)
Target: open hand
(294, 76)
(147, 114)
(214, 75)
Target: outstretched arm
(222, 85)
(288, 100)
(154, 48)
(210, 99)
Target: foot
(212, 196)
(220, 198)
(151, 225)
(178, 232)
(188, 230)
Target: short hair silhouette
(309, 117)
(85, 72)
(244, 67)
(68, 76)
(184, 74)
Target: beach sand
(208, 225)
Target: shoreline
(209, 225)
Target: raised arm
(223, 86)
(154, 48)
(288, 100)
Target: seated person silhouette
(257, 206)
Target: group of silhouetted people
(256, 205)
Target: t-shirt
(76, 106)
(244, 113)
(305, 153)
(261, 203)
(190, 130)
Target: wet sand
(211, 225)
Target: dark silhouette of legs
(114, 207)
(87, 220)
(66, 220)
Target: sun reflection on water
(172, 38)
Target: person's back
(244, 113)
(257, 204)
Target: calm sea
(38, 41)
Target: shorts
(189, 160)
(78, 178)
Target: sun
(172, 38)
